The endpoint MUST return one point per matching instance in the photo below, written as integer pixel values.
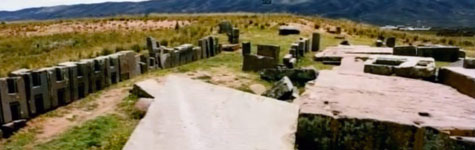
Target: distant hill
(439, 13)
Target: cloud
(22, 4)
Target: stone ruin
(233, 36)
(28, 93)
(288, 30)
(297, 51)
(267, 57)
(411, 67)
(439, 53)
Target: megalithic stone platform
(195, 115)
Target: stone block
(469, 63)
(298, 76)
(315, 41)
(196, 53)
(281, 90)
(405, 50)
(233, 37)
(459, 78)
(462, 54)
(59, 85)
(142, 63)
(301, 48)
(185, 53)
(113, 72)
(288, 30)
(13, 99)
(246, 48)
(254, 62)
(128, 67)
(73, 79)
(36, 88)
(230, 47)
(289, 61)
(203, 43)
(269, 51)
(404, 66)
(442, 53)
(152, 45)
(391, 42)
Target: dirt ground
(83, 26)
(49, 127)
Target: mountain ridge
(438, 13)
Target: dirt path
(52, 126)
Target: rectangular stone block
(269, 51)
(203, 43)
(128, 66)
(405, 50)
(449, 54)
(211, 46)
(246, 48)
(196, 53)
(233, 37)
(301, 48)
(13, 99)
(113, 72)
(257, 62)
(36, 89)
(391, 42)
(469, 63)
(59, 85)
(185, 53)
(315, 41)
(73, 79)
(152, 45)
(142, 63)
(459, 78)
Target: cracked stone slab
(190, 114)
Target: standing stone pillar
(391, 42)
(246, 48)
(233, 37)
(315, 41)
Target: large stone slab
(364, 111)
(334, 55)
(404, 66)
(460, 78)
(194, 115)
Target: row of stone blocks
(28, 93)
(164, 57)
(439, 53)
(297, 50)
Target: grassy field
(111, 130)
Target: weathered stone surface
(143, 104)
(128, 66)
(289, 61)
(113, 73)
(440, 53)
(462, 54)
(267, 57)
(197, 53)
(298, 76)
(230, 47)
(246, 48)
(405, 50)
(197, 115)
(344, 110)
(459, 78)
(334, 55)
(257, 89)
(233, 36)
(281, 90)
(9, 128)
(391, 42)
(315, 41)
(469, 63)
(404, 66)
(146, 89)
(14, 105)
(288, 30)
(59, 85)
(73, 70)
(36, 88)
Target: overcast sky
(21, 4)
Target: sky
(21, 4)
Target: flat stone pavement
(343, 93)
(193, 115)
